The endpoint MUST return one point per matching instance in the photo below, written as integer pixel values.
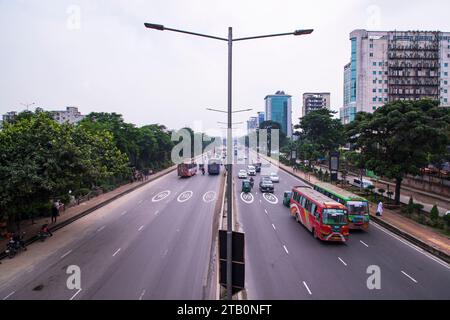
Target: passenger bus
(187, 169)
(357, 207)
(325, 218)
(214, 166)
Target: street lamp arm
(295, 33)
(162, 28)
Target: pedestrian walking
(55, 211)
(380, 209)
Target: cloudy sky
(96, 54)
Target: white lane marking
(247, 197)
(209, 196)
(140, 201)
(285, 249)
(259, 200)
(266, 211)
(65, 254)
(342, 261)
(140, 228)
(307, 288)
(9, 295)
(75, 294)
(364, 243)
(270, 197)
(185, 196)
(100, 229)
(123, 213)
(160, 196)
(415, 281)
(156, 212)
(116, 252)
(142, 294)
(273, 226)
(411, 246)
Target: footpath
(75, 212)
(420, 235)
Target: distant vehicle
(325, 218)
(214, 166)
(246, 186)
(251, 170)
(274, 177)
(258, 167)
(365, 183)
(266, 185)
(187, 169)
(242, 174)
(357, 207)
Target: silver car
(274, 177)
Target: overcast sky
(96, 54)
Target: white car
(274, 177)
(242, 174)
(251, 171)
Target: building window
(374, 72)
(385, 99)
(380, 72)
(371, 45)
(380, 100)
(374, 80)
(373, 108)
(385, 81)
(445, 100)
(445, 82)
(446, 73)
(445, 90)
(380, 81)
(380, 64)
(380, 90)
(371, 54)
(374, 90)
(385, 90)
(446, 64)
(374, 64)
(374, 99)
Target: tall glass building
(279, 109)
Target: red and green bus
(357, 207)
(324, 217)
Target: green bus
(357, 207)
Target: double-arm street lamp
(230, 41)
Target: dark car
(266, 185)
(258, 167)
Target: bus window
(303, 203)
(357, 207)
(334, 217)
(313, 209)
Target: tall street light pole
(229, 135)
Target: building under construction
(387, 66)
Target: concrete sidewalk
(71, 213)
(418, 231)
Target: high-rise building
(70, 115)
(252, 124)
(315, 101)
(279, 109)
(387, 66)
(261, 118)
(9, 116)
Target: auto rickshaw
(246, 186)
(287, 198)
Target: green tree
(398, 138)
(434, 213)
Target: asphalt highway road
(284, 261)
(153, 244)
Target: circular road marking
(247, 197)
(160, 196)
(209, 196)
(185, 196)
(271, 198)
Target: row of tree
(41, 160)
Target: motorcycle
(44, 233)
(15, 245)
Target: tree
(322, 131)
(398, 138)
(434, 213)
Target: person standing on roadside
(380, 209)
(55, 211)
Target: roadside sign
(238, 253)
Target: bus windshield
(334, 217)
(357, 207)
